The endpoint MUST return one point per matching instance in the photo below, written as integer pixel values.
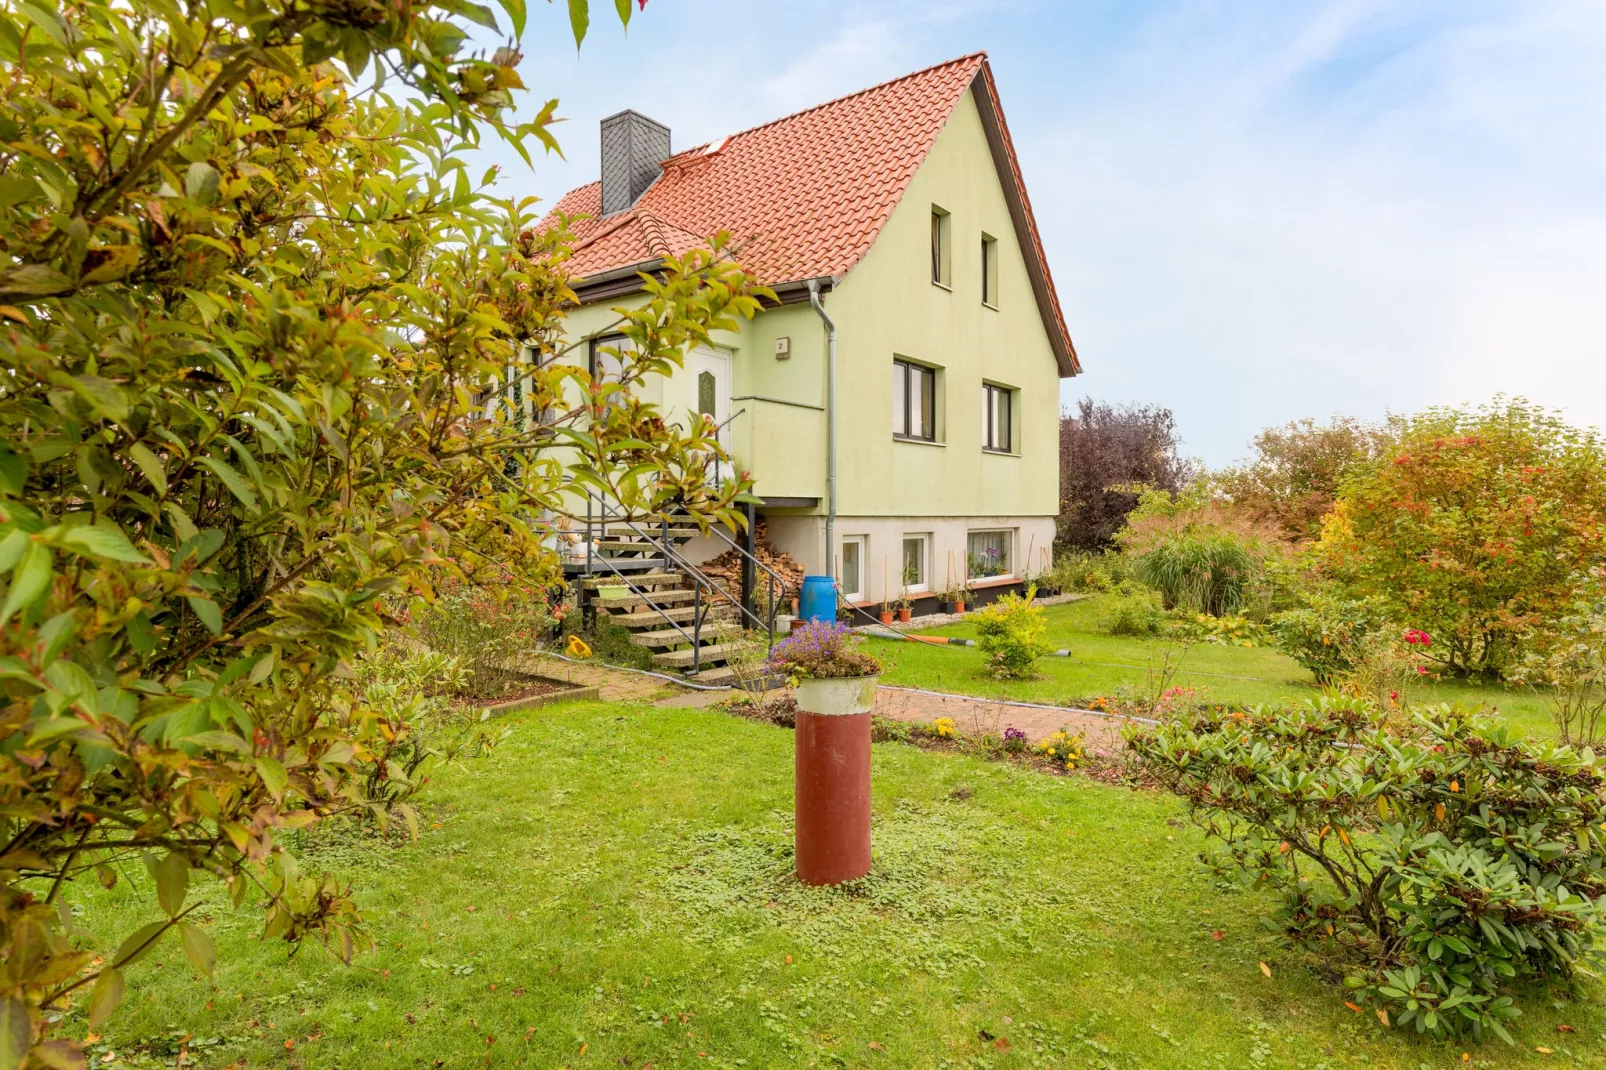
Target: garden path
(975, 716)
(616, 685)
(970, 715)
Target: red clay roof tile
(805, 196)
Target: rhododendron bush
(269, 358)
(1440, 861)
(1472, 527)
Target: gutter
(830, 428)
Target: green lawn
(610, 888)
(1100, 664)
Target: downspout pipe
(830, 428)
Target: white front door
(711, 392)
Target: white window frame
(989, 433)
(942, 248)
(924, 538)
(907, 371)
(1010, 539)
(989, 270)
(863, 543)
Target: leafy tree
(272, 362)
(1471, 527)
(1294, 475)
(1108, 454)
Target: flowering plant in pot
(824, 663)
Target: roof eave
(1020, 212)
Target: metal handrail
(699, 579)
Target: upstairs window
(914, 401)
(940, 251)
(998, 418)
(989, 271)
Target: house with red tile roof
(895, 228)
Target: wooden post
(749, 573)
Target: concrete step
(624, 545)
(656, 597)
(718, 676)
(682, 659)
(653, 618)
(643, 579)
(674, 637)
(625, 531)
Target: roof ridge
(980, 56)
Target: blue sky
(1253, 211)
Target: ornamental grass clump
(822, 651)
(1439, 864)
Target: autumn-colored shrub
(1472, 526)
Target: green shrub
(486, 630)
(415, 696)
(1440, 865)
(1236, 630)
(1093, 573)
(1328, 636)
(1134, 610)
(1568, 663)
(1010, 634)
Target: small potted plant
(906, 606)
(828, 668)
(951, 600)
(886, 613)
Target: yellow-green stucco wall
(888, 307)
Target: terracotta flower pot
(904, 614)
(959, 607)
(886, 616)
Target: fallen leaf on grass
(1565, 1028)
(1542, 1050)
(1352, 1006)
(1002, 1043)
(1265, 969)
(1217, 934)
(1383, 1016)
(875, 1045)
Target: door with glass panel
(850, 576)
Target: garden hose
(882, 632)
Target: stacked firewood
(726, 569)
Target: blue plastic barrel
(818, 600)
